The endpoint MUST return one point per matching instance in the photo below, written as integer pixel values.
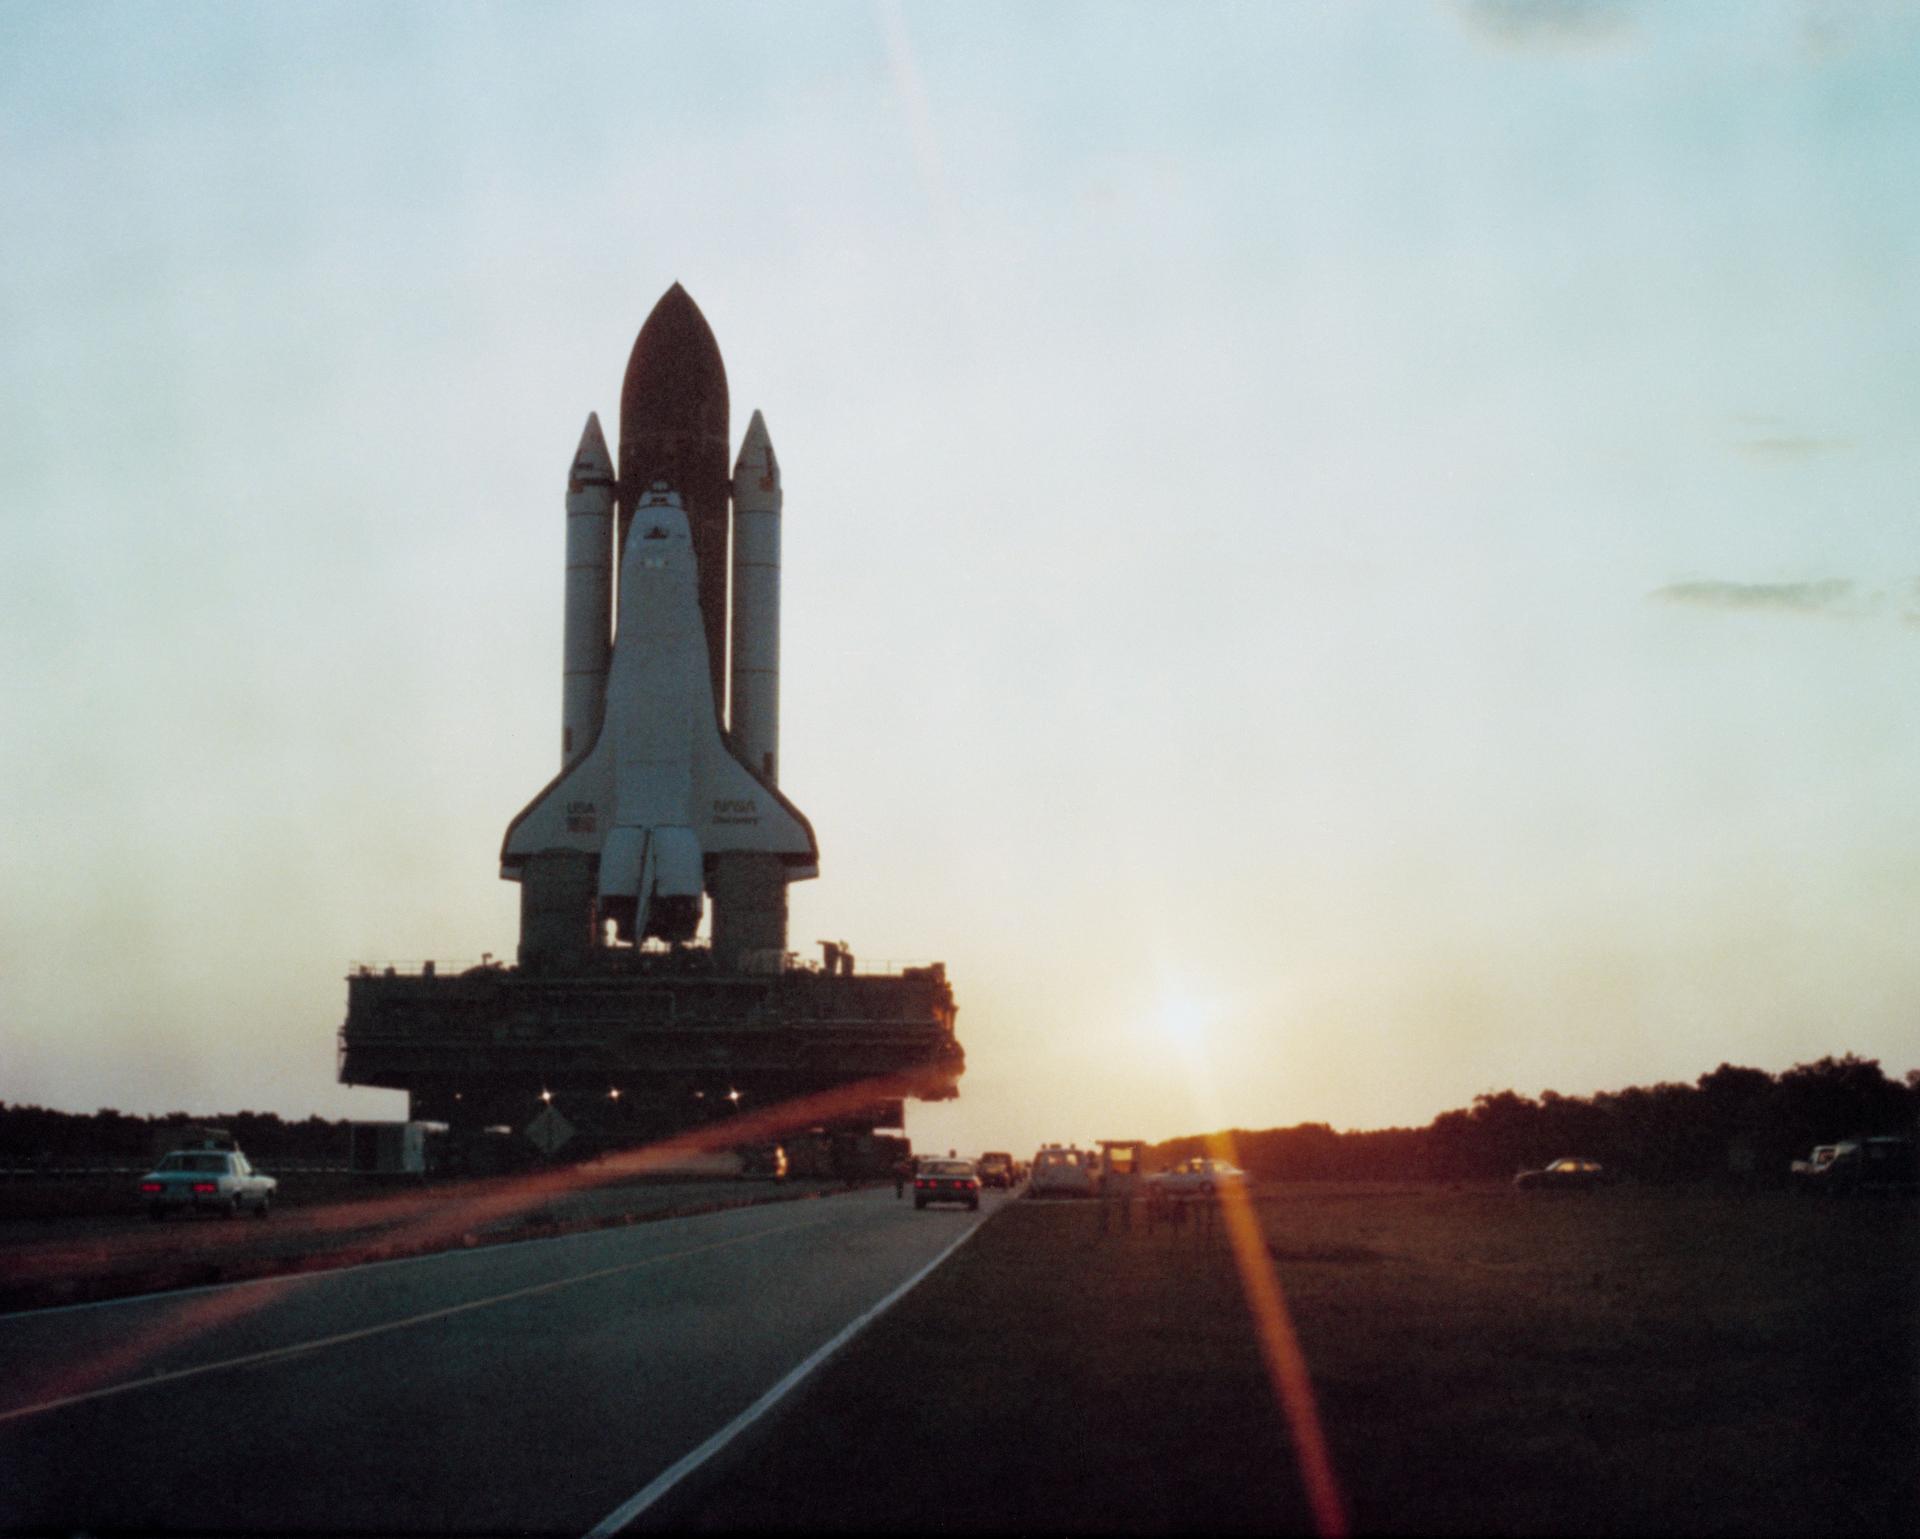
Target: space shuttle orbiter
(658, 792)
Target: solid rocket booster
(754, 720)
(673, 428)
(750, 888)
(587, 646)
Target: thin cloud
(1791, 446)
(1834, 29)
(1826, 596)
(1549, 23)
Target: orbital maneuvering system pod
(657, 803)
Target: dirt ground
(95, 1242)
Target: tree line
(1731, 1123)
(32, 1136)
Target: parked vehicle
(946, 1181)
(1868, 1165)
(1059, 1172)
(207, 1181)
(1804, 1170)
(393, 1148)
(996, 1170)
(1120, 1164)
(1572, 1174)
(1198, 1177)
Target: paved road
(526, 1388)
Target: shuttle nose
(659, 515)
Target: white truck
(392, 1148)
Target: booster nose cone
(592, 464)
(758, 468)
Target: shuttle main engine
(616, 1023)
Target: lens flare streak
(1184, 1018)
(1286, 1364)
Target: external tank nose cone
(673, 428)
(675, 389)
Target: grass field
(80, 1240)
(1484, 1361)
(116, 1195)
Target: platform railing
(438, 967)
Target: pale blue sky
(1386, 529)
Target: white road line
(678, 1471)
(275, 1354)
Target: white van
(1059, 1172)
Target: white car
(207, 1181)
(1197, 1178)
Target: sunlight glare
(1184, 1019)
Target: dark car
(946, 1181)
(996, 1170)
(1572, 1174)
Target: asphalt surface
(524, 1388)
